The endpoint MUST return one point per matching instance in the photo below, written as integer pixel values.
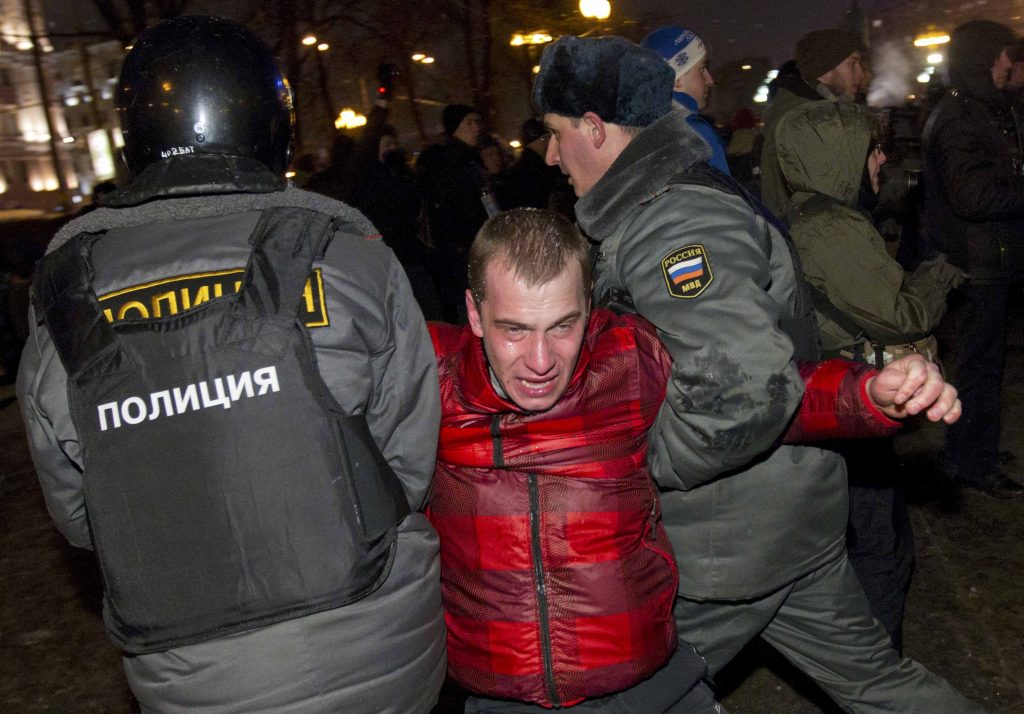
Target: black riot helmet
(203, 85)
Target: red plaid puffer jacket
(557, 576)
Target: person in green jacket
(827, 67)
(824, 149)
(868, 308)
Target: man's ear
(595, 130)
(475, 323)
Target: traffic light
(386, 75)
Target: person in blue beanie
(687, 55)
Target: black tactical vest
(224, 486)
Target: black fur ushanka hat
(619, 81)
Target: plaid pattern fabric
(836, 404)
(557, 575)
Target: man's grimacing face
(532, 334)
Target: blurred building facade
(76, 86)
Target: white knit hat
(682, 49)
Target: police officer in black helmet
(231, 396)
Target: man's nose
(551, 157)
(539, 358)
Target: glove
(946, 274)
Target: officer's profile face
(532, 334)
(574, 149)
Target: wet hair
(537, 244)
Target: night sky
(741, 28)
(734, 29)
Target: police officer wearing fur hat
(828, 64)
(230, 395)
(973, 177)
(757, 527)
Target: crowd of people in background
(671, 355)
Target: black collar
(197, 175)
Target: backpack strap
(802, 327)
(64, 299)
(286, 243)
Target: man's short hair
(538, 245)
(632, 131)
(617, 80)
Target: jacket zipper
(542, 593)
(538, 568)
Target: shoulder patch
(687, 271)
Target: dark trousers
(879, 539)
(676, 688)
(972, 443)
(822, 625)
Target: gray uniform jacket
(382, 653)
(744, 514)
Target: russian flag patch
(687, 271)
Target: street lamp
(349, 119)
(930, 39)
(530, 41)
(596, 9)
(539, 37)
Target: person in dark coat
(974, 212)
(387, 193)
(532, 183)
(335, 180)
(452, 181)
